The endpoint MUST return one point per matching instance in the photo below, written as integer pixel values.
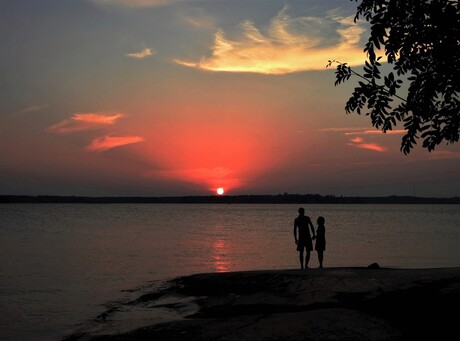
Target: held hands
(296, 242)
(313, 238)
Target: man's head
(301, 211)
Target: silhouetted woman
(320, 244)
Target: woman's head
(321, 221)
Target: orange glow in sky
(226, 149)
(175, 97)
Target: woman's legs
(320, 258)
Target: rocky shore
(314, 304)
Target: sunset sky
(164, 98)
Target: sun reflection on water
(220, 254)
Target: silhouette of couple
(305, 241)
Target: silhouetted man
(305, 239)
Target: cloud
(199, 20)
(370, 146)
(84, 121)
(361, 131)
(29, 109)
(288, 45)
(341, 129)
(142, 54)
(108, 142)
(348, 31)
(375, 132)
(134, 3)
(359, 141)
(87, 121)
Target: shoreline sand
(315, 304)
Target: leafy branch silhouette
(421, 41)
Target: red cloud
(109, 142)
(370, 146)
(376, 132)
(84, 121)
(357, 140)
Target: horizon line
(285, 198)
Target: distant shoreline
(228, 199)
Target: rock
(326, 304)
(374, 266)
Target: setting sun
(220, 191)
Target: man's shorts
(305, 243)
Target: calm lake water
(61, 262)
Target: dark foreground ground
(328, 304)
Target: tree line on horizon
(231, 199)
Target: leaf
(419, 34)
